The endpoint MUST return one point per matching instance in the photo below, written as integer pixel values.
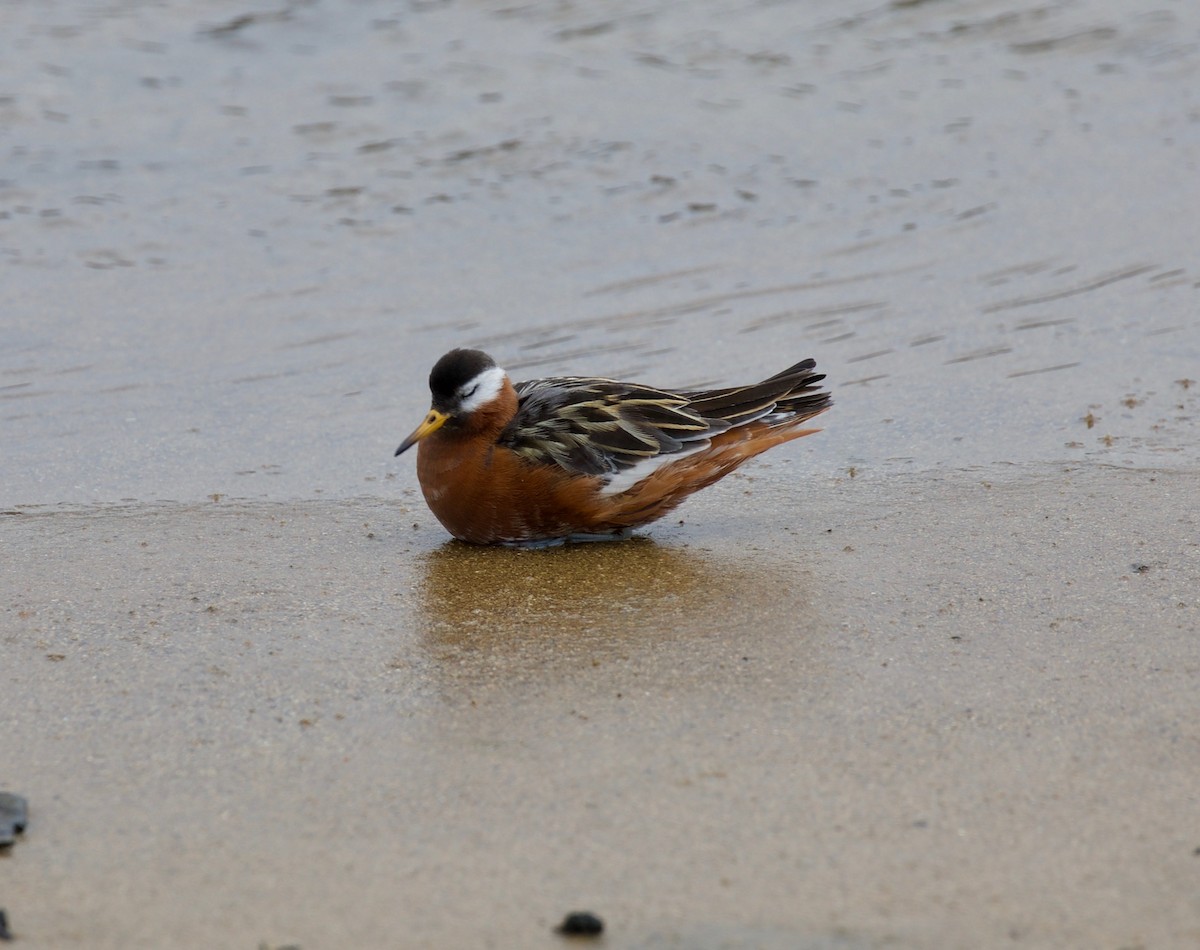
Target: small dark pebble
(13, 816)
(5, 933)
(581, 924)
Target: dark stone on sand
(14, 811)
(580, 923)
(5, 933)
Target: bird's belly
(492, 496)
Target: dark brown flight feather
(595, 426)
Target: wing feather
(599, 426)
(595, 426)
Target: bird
(575, 458)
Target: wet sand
(932, 712)
(925, 679)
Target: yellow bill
(430, 424)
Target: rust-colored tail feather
(760, 417)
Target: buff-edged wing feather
(593, 426)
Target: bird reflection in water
(472, 597)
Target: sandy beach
(926, 679)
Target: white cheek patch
(487, 387)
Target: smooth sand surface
(935, 712)
(927, 679)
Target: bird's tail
(793, 395)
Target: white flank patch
(623, 481)
(487, 387)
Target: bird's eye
(471, 392)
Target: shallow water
(235, 242)
(924, 679)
